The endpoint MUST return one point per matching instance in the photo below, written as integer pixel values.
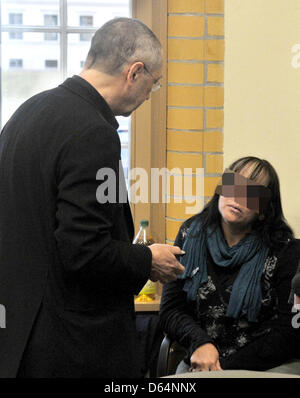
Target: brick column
(195, 98)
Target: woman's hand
(206, 357)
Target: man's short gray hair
(123, 41)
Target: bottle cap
(144, 223)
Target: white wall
(262, 90)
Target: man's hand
(297, 302)
(205, 357)
(165, 266)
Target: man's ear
(135, 71)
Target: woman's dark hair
(273, 229)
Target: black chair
(170, 354)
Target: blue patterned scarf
(245, 298)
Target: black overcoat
(68, 269)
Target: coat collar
(85, 90)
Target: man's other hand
(165, 266)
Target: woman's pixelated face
(241, 199)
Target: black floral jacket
(260, 345)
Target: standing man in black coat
(68, 269)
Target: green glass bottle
(144, 237)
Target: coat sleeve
(92, 238)
(283, 341)
(176, 314)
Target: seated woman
(230, 309)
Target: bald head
(123, 41)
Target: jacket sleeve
(86, 229)
(176, 314)
(283, 341)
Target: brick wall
(195, 99)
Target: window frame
(148, 138)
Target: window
(15, 19)
(51, 63)
(85, 20)
(50, 20)
(16, 63)
(53, 42)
